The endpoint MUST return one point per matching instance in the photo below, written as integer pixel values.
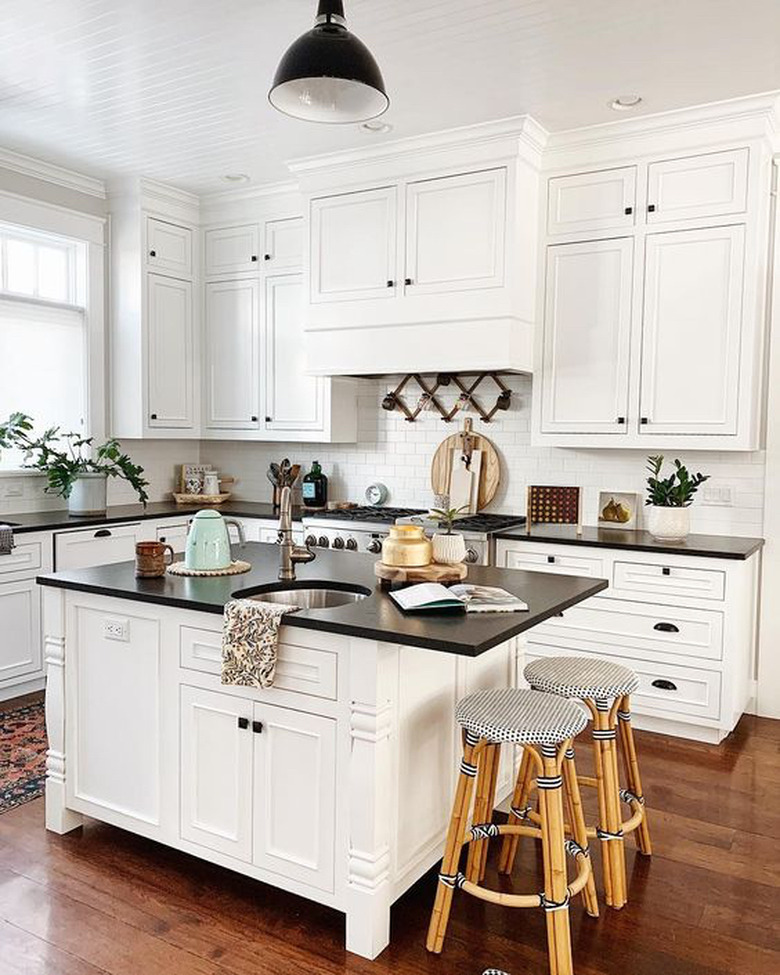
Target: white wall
(399, 454)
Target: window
(43, 336)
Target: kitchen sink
(309, 595)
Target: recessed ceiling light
(376, 127)
(624, 103)
(235, 178)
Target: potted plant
(74, 468)
(669, 500)
(449, 547)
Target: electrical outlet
(722, 495)
(115, 629)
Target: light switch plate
(116, 629)
(721, 495)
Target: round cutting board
(490, 474)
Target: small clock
(376, 494)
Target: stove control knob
(374, 546)
(472, 556)
(338, 542)
(323, 541)
(351, 545)
(310, 541)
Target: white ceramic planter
(668, 524)
(448, 549)
(88, 495)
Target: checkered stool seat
(581, 677)
(520, 716)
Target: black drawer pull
(257, 727)
(664, 685)
(551, 559)
(621, 419)
(651, 208)
(666, 628)
(391, 284)
(253, 258)
(243, 723)
(407, 281)
(102, 533)
(666, 571)
(628, 211)
(152, 253)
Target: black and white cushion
(521, 716)
(581, 677)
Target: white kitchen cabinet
(692, 331)
(592, 202)
(171, 352)
(96, 546)
(232, 355)
(587, 337)
(712, 184)
(216, 771)
(20, 626)
(231, 250)
(353, 246)
(455, 228)
(284, 244)
(169, 247)
(294, 794)
(173, 535)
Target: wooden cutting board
(489, 470)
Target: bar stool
(605, 688)
(545, 725)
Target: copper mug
(151, 559)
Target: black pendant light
(328, 75)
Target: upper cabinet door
(230, 250)
(294, 400)
(709, 185)
(692, 331)
(585, 202)
(168, 247)
(283, 243)
(455, 228)
(232, 355)
(353, 246)
(587, 333)
(171, 360)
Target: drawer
(669, 580)
(300, 669)
(25, 557)
(572, 565)
(665, 690)
(97, 546)
(620, 626)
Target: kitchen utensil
(461, 479)
(490, 470)
(406, 545)
(151, 559)
(208, 541)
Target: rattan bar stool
(605, 688)
(545, 725)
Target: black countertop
(706, 546)
(375, 618)
(40, 521)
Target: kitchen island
(335, 783)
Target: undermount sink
(308, 595)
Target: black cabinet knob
(643, 420)
(153, 416)
(266, 257)
(269, 419)
(666, 628)
(152, 253)
(551, 559)
(620, 419)
(257, 727)
(664, 685)
(254, 257)
(407, 280)
(628, 211)
(666, 571)
(651, 207)
(391, 284)
(243, 723)
(253, 419)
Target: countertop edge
(751, 544)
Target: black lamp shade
(328, 75)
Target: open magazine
(472, 599)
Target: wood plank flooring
(103, 902)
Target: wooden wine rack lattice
(428, 400)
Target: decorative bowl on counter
(407, 545)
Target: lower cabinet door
(20, 630)
(295, 794)
(216, 772)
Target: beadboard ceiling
(176, 89)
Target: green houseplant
(75, 469)
(669, 499)
(449, 547)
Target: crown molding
(50, 173)
(166, 193)
(241, 193)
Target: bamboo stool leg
(556, 894)
(518, 811)
(492, 784)
(451, 859)
(483, 810)
(633, 780)
(610, 830)
(578, 828)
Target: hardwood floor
(103, 901)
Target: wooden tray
(490, 474)
(434, 572)
(201, 498)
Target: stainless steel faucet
(289, 553)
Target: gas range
(362, 529)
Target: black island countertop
(376, 617)
(60, 520)
(703, 546)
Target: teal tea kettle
(208, 541)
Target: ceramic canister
(406, 545)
